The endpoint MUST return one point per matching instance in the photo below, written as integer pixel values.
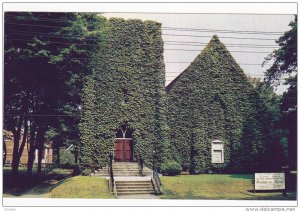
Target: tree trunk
(15, 160)
(24, 139)
(57, 161)
(32, 148)
(76, 154)
(40, 144)
(40, 157)
(30, 161)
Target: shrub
(171, 168)
(76, 170)
(86, 172)
(66, 157)
(66, 166)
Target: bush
(76, 170)
(66, 166)
(171, 168)
(66, 157)
(86, 172)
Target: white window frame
(218, 147)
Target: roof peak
(214, 39)
(214, 46)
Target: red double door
(123, 150)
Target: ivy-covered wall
(126, 86)
(213, 100)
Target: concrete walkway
(140, 196)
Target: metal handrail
(157, 181)
(111, 173)
(141, 167)
(155, 174)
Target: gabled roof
(171, 84)
(212, 45)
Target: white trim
(217, 141)
(124, 132)
(214, 148)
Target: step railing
(111, 181)
(141, 167)
(156, 182)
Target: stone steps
(134, 187)
(133, 183)
(134, 190)
(128, 180)
(123, 169)
(134, 193)
(130, 171)
(127, 168)
(125, 174)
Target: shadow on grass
(21, 184)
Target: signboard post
(269, 181)
(286, 173)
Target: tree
(29, 81)
(285, 58)
(46, 60)
(285, 63)
(275, 151)
(73, 62)
(289, 119)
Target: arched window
(124, 132)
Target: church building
(207, 119)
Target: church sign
(269, 181)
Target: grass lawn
(82, 187)
(216, 186)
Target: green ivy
(126, 85)
(212, 99)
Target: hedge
(126, 86)
(213, 100)
(170, 168)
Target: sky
(232, 29)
